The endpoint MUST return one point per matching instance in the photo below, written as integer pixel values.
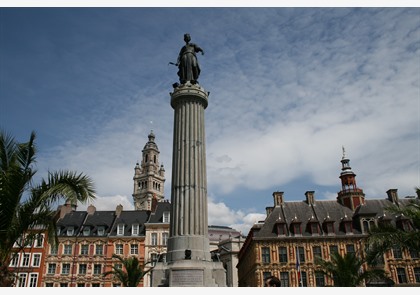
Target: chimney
(118, 210)
(392, 195)
(310, 197)
(278, 198)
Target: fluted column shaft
(189, 220)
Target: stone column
(189, 220)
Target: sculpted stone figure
(188, 67)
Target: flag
(298, 266)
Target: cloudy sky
(289, 87)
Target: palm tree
(385, 237)
(25, 207)
(347, 270)
(132, 272)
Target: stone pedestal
(188, 257)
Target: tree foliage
(347, 270)
(130, 274)
(25, 207)
(385, 237)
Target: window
(135, 230)
(39, 241)
(402, 277)
(119, 249)
(53, 250)
(154, 239)
(317, 252)
(116, 285)
(265, 255)
(284, 279)
(67, 250)
(101, 230)
(33, 280)
(51, 268)
(329, 227)
(266, 274)
(64, 285)
(165, 217)
(350, 249)
(281, 229)
(301, 251)
(414, 254)
(347, 227)
(96, 285)
(36, 259)
(333, 249)
(15, 259)
(82, 269)
(304, 279)
(70, 231)
(134, 249)
(65, 269)
(154, 258)
(80, 284)
(97, 269)
(417, 274)
(25, 259)
(165, 237)
(49, 285)
(397, 253)
(296, 229)
(314, 228)
(86, 231)
(283, 255)
(99, 250)
(319, 279)
(22, 277)
(120, 229)
(84, 250)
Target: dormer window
(86, 231)
(135, 230)
(329, 227)
(101, 230)
(281, 229)
(70, 231)
(166, 217)
(296, 228)
(120, 229)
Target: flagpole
(298, 268)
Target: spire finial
(344, 152)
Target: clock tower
(149, 177)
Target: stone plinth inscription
(187, 278)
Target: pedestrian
(272, 281)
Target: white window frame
(120, 229)
(166, 216)
(135, 230)
(101, 230)
(15, 260)
(70, 231)
(33, 280)
(153, 239)
(67, 269)
(36, 259)
(22, 280)
(86, 231)
(119, 249)
(165, 237)
(26, 258)
(39, 241)
(52, 268)
(134, 249)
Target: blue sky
(288, 88)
